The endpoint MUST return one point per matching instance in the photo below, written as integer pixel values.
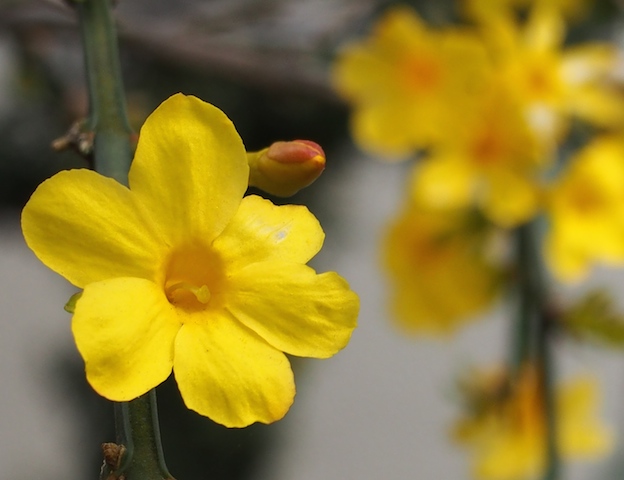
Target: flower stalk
(136, 422)
(107, 105)
(532, 337)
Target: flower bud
(284, 168)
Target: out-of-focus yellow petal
(380, 129)
(511, 457)
(124, 329)
(358, 72)
(586, 210)
(229, 374)
(262, 231)
(566, 263)
(293, 308)
(507, 430)
(545, 29)
(88, 228)
(584, 435)
(603, 107)
(190, 169)
(440, 276)
(511, 199)
(588, 70)
(444, 182)
(588, 62)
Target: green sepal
(595, 317)
(70, 306)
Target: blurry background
(379, 409)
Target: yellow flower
(492, 159)
(441, 268)
(586, 211)
(182, 273)
(507, 430)
(553, 83)
(406, 80)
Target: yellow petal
(359, 71)
(227, 373)
(588, 62)
(511, 198)
(545, 29)
(382, 130)
(190, 169)
(444, 182)
(88, 228)
(262, 231)
(293, 308)
(601, 106)
(124, 329)
(581, 432)
(510, 457)
(567, 264)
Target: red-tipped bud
(284, 168)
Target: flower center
(178, 290)
(586, 200)
(422, 75)
(193, 275)
(487, 148)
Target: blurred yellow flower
(491, 159)
(406, 81)
(586, 211)
(554, 84)
(182, 273)
(442, 269)
(506, 430)
(484, 9)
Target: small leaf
(70, 306)
(595, 317)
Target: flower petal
(545, 30)
(262, 231)
(88, 228)
(443, 181)
(582, 433)
(229, 374)
(125, 329)
(293, 308)
(380, 129)
(511, 198)
(190, 168)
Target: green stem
(138, 430)
(527, 286)
(136, 421)
(107, 106)
(532, 343)
(547, 387)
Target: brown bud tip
(297, 151)
(286, 167)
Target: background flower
(507, 433)
(441, 269)
(406, 80)
(586, 211)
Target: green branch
(532, 336)
(107, 104)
